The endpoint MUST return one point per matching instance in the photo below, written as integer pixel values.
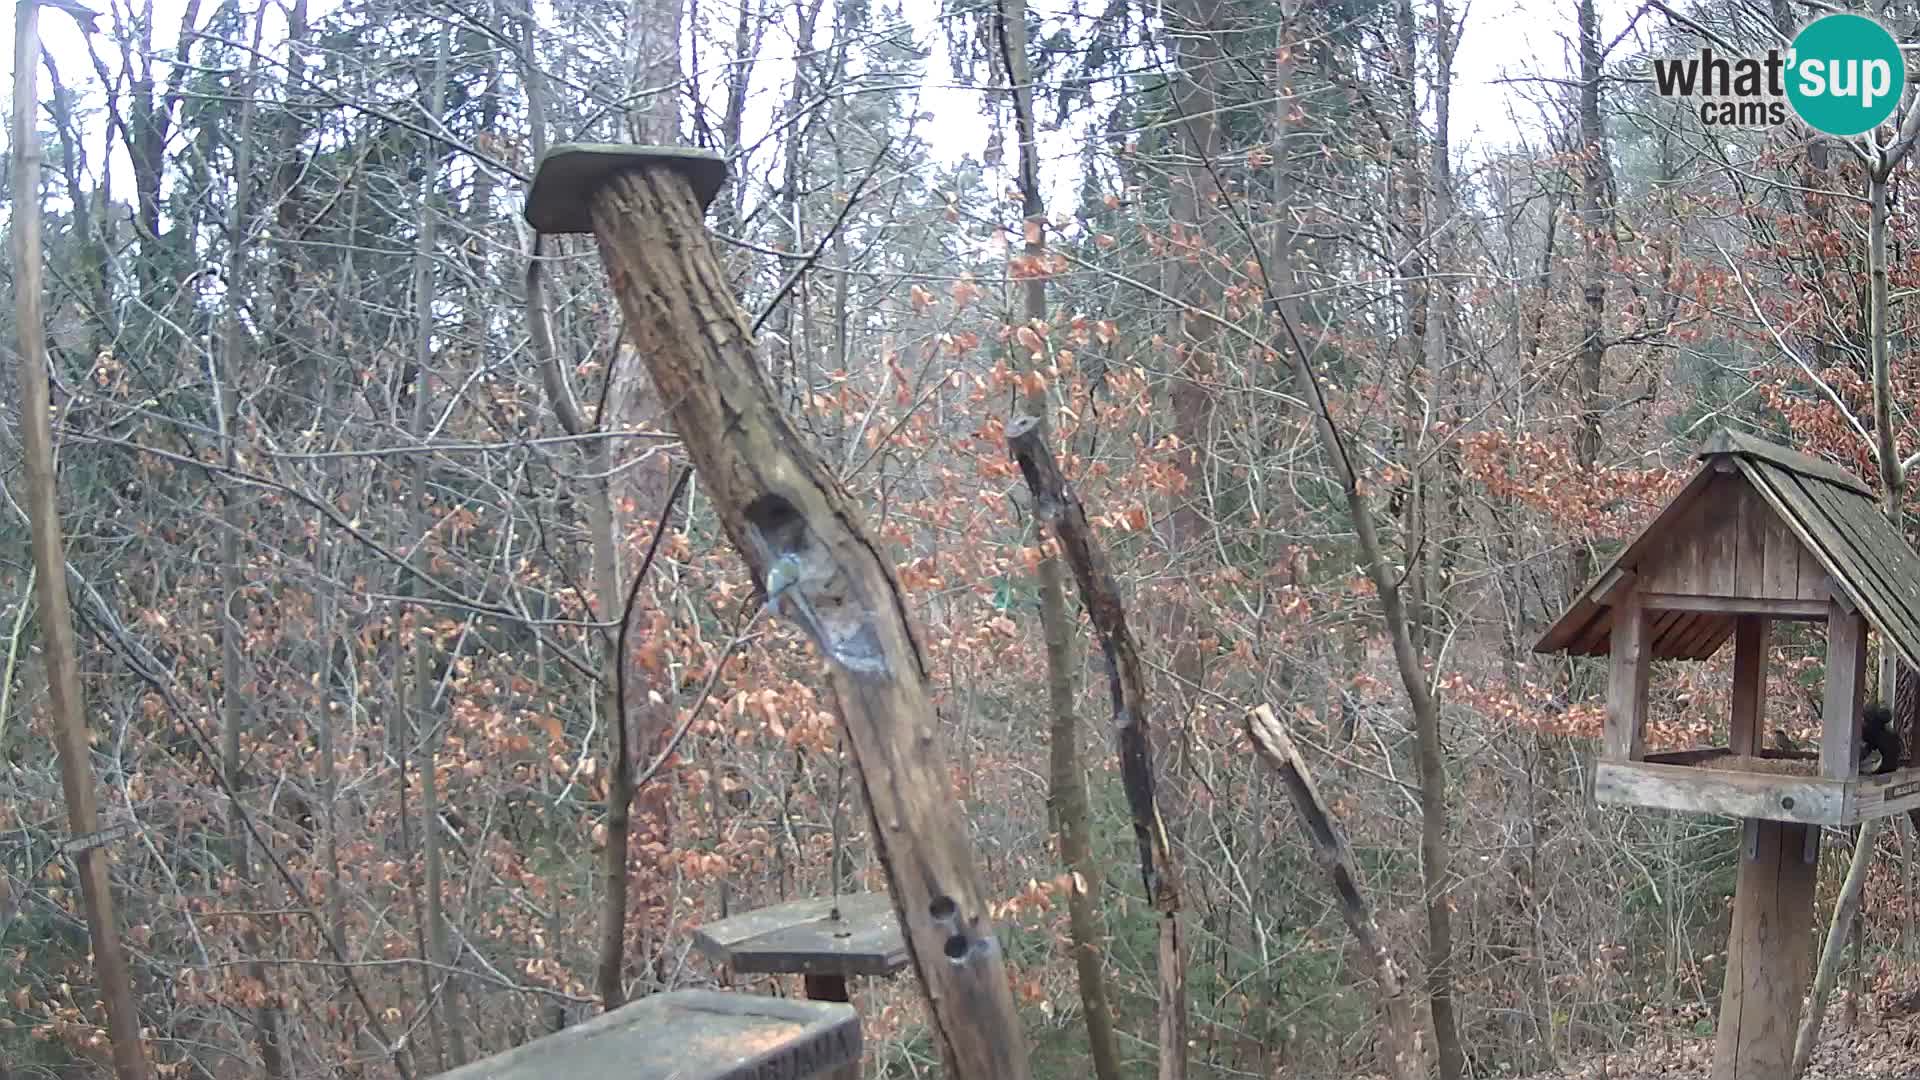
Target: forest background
(347, 539)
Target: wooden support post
(781, 508)
(832, 988)
(1846, 673)
(1750, 636)
(1769, 953)
(1627, 668)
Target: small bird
(784, 574)
(1783, 742)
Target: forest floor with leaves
(1884, 1044)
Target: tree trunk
(775, 502)
(1596, 226)
(1066, 788)
(234, 682)
(427, 730)
(67, 705)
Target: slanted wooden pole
(781, 508)
(1399, 1037)
(90, 852)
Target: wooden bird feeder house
(1760, 533)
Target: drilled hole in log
(957, 948)
(942, 907)
(779, 524)
(1786, 802)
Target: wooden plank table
(688, 1035)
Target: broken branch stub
(1399, 1035)
(781, 508)
(1055, 504)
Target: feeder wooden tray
(1774, 786)
(688, 1035)
(803, 938)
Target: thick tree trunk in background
(1412, 501)
(1194, 27)
(1067, 789)
(1596, 227)
(422, 703)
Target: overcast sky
(1502, 38)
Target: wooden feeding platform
(1759, 533)
(688, 1035)
(822, 939)
(1769, 785)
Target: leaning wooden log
(808, 547)
(1055, 503)
(1399, 1038)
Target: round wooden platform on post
(825, 941)
(779, 506)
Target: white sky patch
(1524, 39)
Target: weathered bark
(1066, 788)
(1055, 504)
(775, 501)
(68, 707)
(1399, 1035)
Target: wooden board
(1625, 729)
(1856, 545)
(1808, 800)
(688, 1035)
(802, 938)
(1734, 442)
(1769, 954)
(1748, 714)
(1883, 796)
(1840, 709)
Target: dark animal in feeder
(1878, 735)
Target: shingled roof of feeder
(1833, 515)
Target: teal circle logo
(1846, 74)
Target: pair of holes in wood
(945, 911)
